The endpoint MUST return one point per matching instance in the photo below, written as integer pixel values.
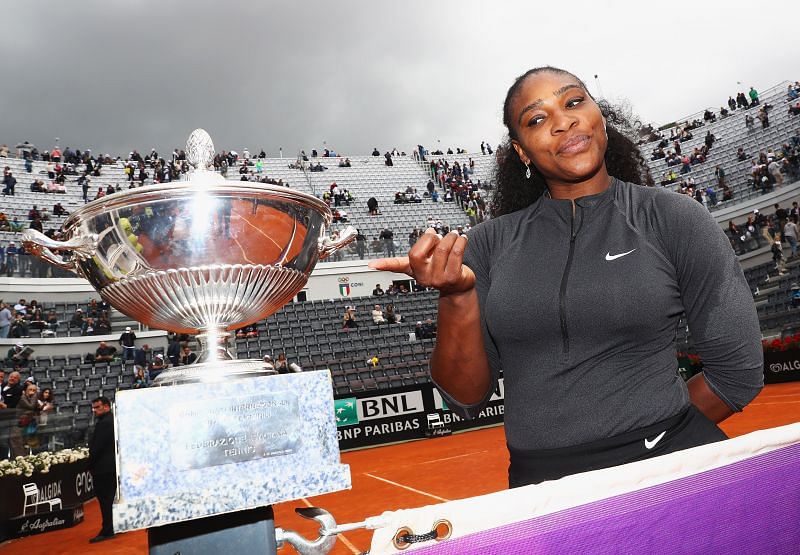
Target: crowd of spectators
(17, 320)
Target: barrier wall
(24, 514)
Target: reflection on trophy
(206, 256)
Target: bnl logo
(351, 410)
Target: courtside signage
(406, 413)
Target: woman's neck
(571, 191)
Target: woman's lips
(575, 145)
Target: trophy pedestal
(250, 531)
(191, 451)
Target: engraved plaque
(233, 429)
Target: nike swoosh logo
(611, 257)
(651, 444)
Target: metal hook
(322, 545)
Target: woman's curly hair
(515, 192)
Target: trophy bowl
(202, 256)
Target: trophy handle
(41, 245)
(327, 246)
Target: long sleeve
(719, 306)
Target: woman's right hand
(434, 261)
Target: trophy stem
(214, 344)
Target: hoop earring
(527, 172)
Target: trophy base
(232, 445)
(251, 531)
(211, 372)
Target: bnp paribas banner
(412, 412)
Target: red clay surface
(398, 476)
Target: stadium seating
(310, 333)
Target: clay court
(398, 476)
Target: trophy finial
(200, 150)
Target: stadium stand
(387, 355)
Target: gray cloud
(125, 74)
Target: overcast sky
(114, 75)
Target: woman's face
(30, 390)
(46, 394)
(559, 127)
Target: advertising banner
(782, 366)
(44, 501)
(412, 412)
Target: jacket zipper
(562, 297)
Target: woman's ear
(521, 153)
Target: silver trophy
(203, 256)
(206, 256)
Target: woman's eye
(535, 120)
(574, 102)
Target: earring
(527, 172)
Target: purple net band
(752, 506)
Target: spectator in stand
(18, 356)
(719, 173)
(281, 364)
(59, 210)
(349, 320)
(413, 236)
(140, 379)
(141, 357)
(709, 140)
(12, 390)
(749, 122)
(763, 117)
(5, 317)
(727, 193)
(46, 405)
(377, 315)
(156, 367)
(361, 244)
(429, 329)
(76, 321)
(387, 236)
(790, 233)
(378, 292)
(753, 97)
(392, 316)
(127, 341)
(372, 205)
(774, 169)
(711, 196)
(104, 352)
(25, 430)
(777, 256)
(102, 325)
(187, 356)
(174, 351)
(9, 182)
(741, 155)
